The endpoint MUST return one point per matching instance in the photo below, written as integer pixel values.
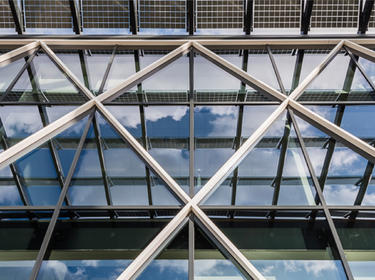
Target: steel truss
(191, 207)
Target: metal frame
(191, 202)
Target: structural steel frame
(191, 207)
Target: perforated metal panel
(220, 14)
(277, 13)
(6, 19)
(335, 14)
(105, 13)
(162, 14)
(48, 14)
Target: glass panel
(66, 142)
(73, 60)
(357, 238)
(273, 170)
(214, 84)
(168, 138)
(96, 64)
(161, 87)
(123, 66)
(129, 180)
(352, 118)
(214, 132)
(44, 82)
(87, 186)
(37, 172)
(286, 248)
(338, 168)
(172, 262)
(8, 72)
(19, 245)
(95, 249)
(347, 81)
(18, 122)
(260, 67)
(286, 64)
(209, 262)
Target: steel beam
(107, 70)
(17, 16)
(76, 16)
(56, 211)
(133, 22)
(190, 14)
(319, 192)
(249, 17)
(307, 7)
(364, 16)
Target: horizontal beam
(24, 50)
(156, 44)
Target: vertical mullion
(99, 146)
(237, 142)
(144, 130)
(191, 163)
(56, 211)
(319, 192)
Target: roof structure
(186, 17)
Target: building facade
(200, 140)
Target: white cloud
(317, 267)
(177, 266)
(20, 119)
(155, 113)
(128, 116)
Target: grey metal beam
(53, 151)
(100, 150)
(319, 192)
(338, 119)
(280, 167)
(365, 181)
(249, 17)
(144, 131)
(133, 20)
(107, 70)
(56, 211)
(76, 17)
(364, 15)
(360, 68)
(307, 7)
(190, 14)
(17, 16)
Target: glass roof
(167, 17)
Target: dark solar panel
(220, 14)
(105, 13)
(48, 14)
(162, 14)
(277, 13)
(6, 19)
(335, 14)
